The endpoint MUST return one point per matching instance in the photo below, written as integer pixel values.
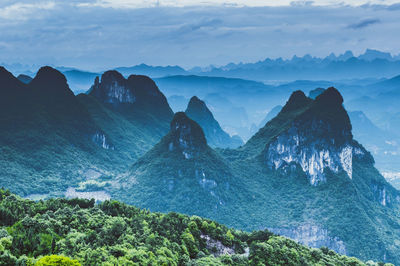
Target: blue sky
(99, 34)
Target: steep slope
(118, 234)
(137, 98)
(309, 171)
(216, 137)
(132, 112)
(182, 173)
(52, 141)
(270, 115)
(383, 144)
(46, 134)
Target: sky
(100, 34)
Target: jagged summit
(113, 88)
(198, 106)
(297, 100)
(318, 138)
(184, 173)
(49, 74)
(144, 85)
(137, 93)
(216, 137)
(330, 97)
(186, 136)
(50, 83)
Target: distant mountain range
(370, 64)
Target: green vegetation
(47, 135)
(358, 216)
(74, 232)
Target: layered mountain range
(302, 174)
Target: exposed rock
(113, 88)
(216, 246)
(101, 140)
(319, 138)
(135, 95)
(313, 236)
(187, 136)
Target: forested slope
(77, 231)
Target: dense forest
(81, 232)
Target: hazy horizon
(94, 35)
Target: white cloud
(102, 37)
(22, 11)
(238, 3)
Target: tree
(57, 260)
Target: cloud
(96, 37)
(364, 23)
(205, 23)
(22, 11)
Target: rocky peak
(196, 106)
(50, 83)
(46, 74)
(216, 137)
(186, 136)
(143, 86)
(297, 100)
(317, 139)
(198, 111)
(113, 88)
(330, 97)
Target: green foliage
(75, 232)
(56, 260)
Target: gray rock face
(137, 93)
(101, 140)
(217, 247)
(187, 136)
(113, 88)
(313, 236)
(318, 139)
(314, 155)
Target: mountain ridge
(216, 137)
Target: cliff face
(137, 94)
(317, 140)
(186, 136)
(113, 89)
(314, 155)
(313, 236)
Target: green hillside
(52, 140)
(79, 232)
(337, 200)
